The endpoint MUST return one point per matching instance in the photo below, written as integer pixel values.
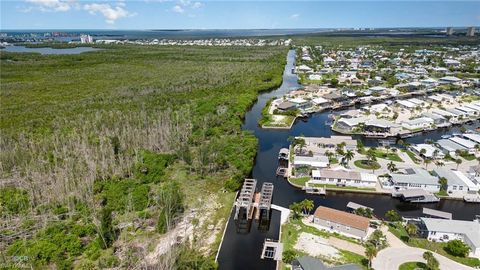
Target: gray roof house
(444, 230)
(415, 178)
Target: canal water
(47, 50)
(242, 251)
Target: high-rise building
(471, 32)
(449, 31)
(86, 39)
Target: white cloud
(294, 16)
(178, 9)
(51, 5)
(110, 13)
(197, 5)
(183, 6)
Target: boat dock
(427, 212)
(416, 196)
(472, 198)
(352, 206)
(272, 249)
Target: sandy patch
(316, 246)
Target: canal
(242, 251)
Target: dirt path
(345, 245)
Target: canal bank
(242, 251)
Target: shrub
(13, 201)
(288, 256)
(457, 248)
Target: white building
(444, 230)
(343, 177)
(86, 39)
(458, 184)
(418, 123)
(314, 162)
(415, 178)
(431, 152)
(467, 144)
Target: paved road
(391, 258)
(398, 253)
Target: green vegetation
(112, 146)
(457, 248)
(299, 181)
(380, 153)
(365, 164)
(413, 266)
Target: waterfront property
(427, 151)
(458, 184)
(444, 230)
(414, 178)
(315, 161)
(343, 177)
(341, 222)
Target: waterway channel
(242, 251)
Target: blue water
(23, 49)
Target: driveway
(391, 258)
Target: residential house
(431, 152)
(343, 177)
(467, 144)
(341, 222)
(415, 178)
(458, 184)
(315, 161)
(444, 230)
(421, 123)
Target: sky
(192, 14)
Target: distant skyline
(187, 14)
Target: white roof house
(472, 137)
(469, 145)
(320, 100)
(457, 181)
(449, 79)
(315, 161)
(415, 178)
(416, 101)
(418, 123)
(430, 150)
(407, 104)
(445, 230)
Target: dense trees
(103, 128)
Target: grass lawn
(363, 164)
(412, 156)
(437, 247)
(379, 153)
(300, 181)
(467, 156)
(412, 266)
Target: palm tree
(348, 156)
(426, 162)
(411, 229)
(392, 167)
(307, 205)
(458, 161)
(371, 252)
(440, 164)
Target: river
(242, 251)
